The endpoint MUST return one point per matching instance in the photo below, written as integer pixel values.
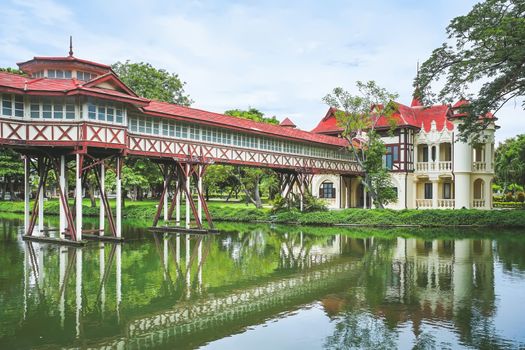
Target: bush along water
(370, 217)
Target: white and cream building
(430, 166)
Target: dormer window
(58, 74)
(38, 74)
(85, 76)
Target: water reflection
(187, 291)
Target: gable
(110, 81)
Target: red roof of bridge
(15, 83)
(245, 125)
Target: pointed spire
(70, 46)
(287, 123)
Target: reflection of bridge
(321, 272)
(229, 313)
(69, 114)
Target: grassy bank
(239, 212)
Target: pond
(261, 287)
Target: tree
(11, 170)
(12, 71)
(150, 82)
(358, 115)
(510, 162)
(487, 47)
(252, 114)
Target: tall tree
(510, 162)
(150, 82)
(358, 115)
(485, 48)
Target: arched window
(478, 189)
(327, 190)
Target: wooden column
(177, 201)
(187, 181)
(199, 185)
(27, 190)
(165, 198)
(102, 206)
(119, 197)
(62, 184)
(42, 170)
(78, 191)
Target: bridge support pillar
(102, 206)
(118, 201)
(63, 206)
(27, 190)
(182, 173)
(187, 180)
(177, 202)
(78, 196)
(41, 200)
(199, 189)
(165, 197)
(296, 180)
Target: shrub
(509, 197)
(520, 197)
(498, 198)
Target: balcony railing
(446, 203)
(424, 203)
(422, 167)
(478, 203)
(479, 166)
(442, 167)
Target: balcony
(423, 203)
(445, 203)
(441, 167)
(479, 166)
(478, 203)
(441, 204)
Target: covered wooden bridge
(68, 114)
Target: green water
(263, 287)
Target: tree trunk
(90, 188)
(4, 188)
(257, 195)
(11, 189)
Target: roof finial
(70, 46)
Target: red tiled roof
(328, 124)
(287, 123)
(415, 116)
(62, 86)
(65, 59)
(250, 126)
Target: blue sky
(281, 57)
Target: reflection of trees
(510, 253)
(358, 330)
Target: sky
(280, 57)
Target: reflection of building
(430, 167)
(442, 278)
